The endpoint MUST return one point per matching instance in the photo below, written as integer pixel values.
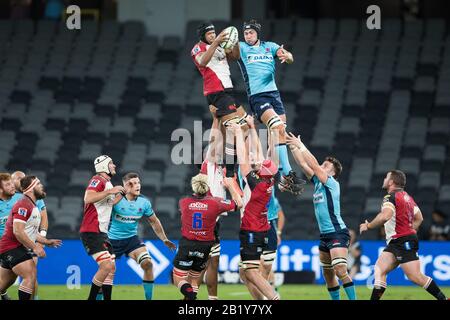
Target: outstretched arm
(379, 220)
(299, 156)
(213, 141)
(242, 155)
(157, 227)
(235, 53)
(284, 55)
(297, 146)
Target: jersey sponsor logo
(126, 219)
(197, 254)
(185, 263)
(198, 233)
(22, 212)
(318, 197)
(198, 206)
(94, 183)
(226, 201)
(254, 58)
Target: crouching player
(198, 219)
(124, 228)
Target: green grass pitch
(228, 292)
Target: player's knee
(144, 260)
(147, 265)
(340, 267)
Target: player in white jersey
(99, 199)
(21, 240)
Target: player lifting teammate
(198, 218)
(99, 198)
(334, 235)
(124, 227)
(258, 182)
(21, 240)
(256, 60)
(401, 217)
(211, 61)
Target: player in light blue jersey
(7, 200)
(123, 231)
(257, 60)
(334, 235)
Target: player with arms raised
(334, 235)
(401, 217)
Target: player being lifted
(211, 61)
(401, 217)
(334, 235)
(256, 60)
(21, 240)
(198, 219)
(258, 182)
(124, 227)
(99, 198)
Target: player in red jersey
(211, 61)
(22, 239)
(99, 198)
(198, 219)
(401, 217)
(258, 181)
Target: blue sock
(350, 290)
(99, 296)
(283, 157)
(148, 289)
(334, 293)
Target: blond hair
(199, 184)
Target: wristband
(43, 233)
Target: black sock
(434, 290)
(377, 292)
(107, 291)
(94, 291)
(24, 295)
(187, 290)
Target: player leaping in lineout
(211, 61)
(256, 59)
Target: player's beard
(39, 195)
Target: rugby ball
(233, 38)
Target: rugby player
(211, 61)
(256, 60)
(334, 235)
(99, 198)
(21, 240)
(124, 228)
(258, 182)
(198, 218)
(401, 218)
(16, 177)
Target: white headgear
(101, 164)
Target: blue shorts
(126, 246)
(263, 101)
(340, 239)
(272, 245)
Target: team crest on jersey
(267, 49)
(94, 183)
(195, 50)
(22, 212)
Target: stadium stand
(375, 99)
